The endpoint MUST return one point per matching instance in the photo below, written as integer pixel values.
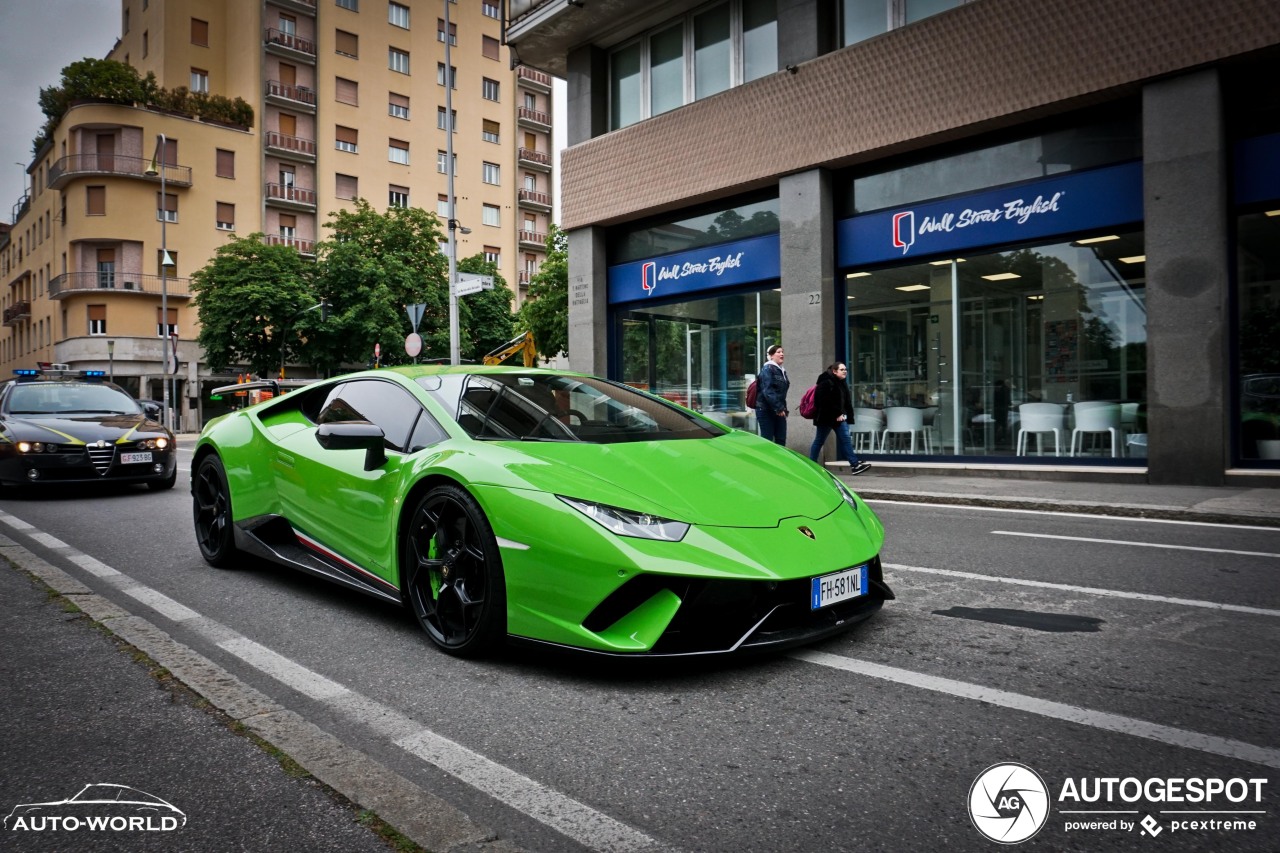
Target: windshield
(70, 398)
(550, 407)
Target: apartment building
(349, 102)
(1042, 235)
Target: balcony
(304, 247)
(20, 208)
(17, 312)
(532, 239)
(290, 46)
(534, 200)
(523, 277)
(294, 97)
(535, 119)
(532, 78)
(291, 197)
(306, 7)
(290, 147)
(124, 283)
(73, 166)
(530, 159)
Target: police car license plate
(829, 589)
(131, 458)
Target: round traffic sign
(413, 344)
(377, 350)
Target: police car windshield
(69, 398)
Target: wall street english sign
(1099, 198)
(724, 265)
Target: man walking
(771, 401)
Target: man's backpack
(808, 406)
(753, 390)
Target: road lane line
(160, 603)
(1057, 710)
(1094, 516)
(1088, 590)
(15, 522)
(91, 565)
(283, 669)
(48, 541)
(1136, 544)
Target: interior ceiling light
(1134, 259)
(1001, 276)
(944, 263)
(1086, 241)
(913, 287)
(1036, 297)
(1273, 213)
(857, 274)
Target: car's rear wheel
(211, 508)
(452, 573)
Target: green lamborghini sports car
(542, 506)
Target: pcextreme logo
(1009, 803)
(102, 807)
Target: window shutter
(348, 91)
(226, 212)
(347, 43)
(226, 163)
(346, 134)
(347, 186)
(199, 32)
(96, 201)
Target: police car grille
(101, 457)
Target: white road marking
(1095, 517)
(48, 541)
(15, 522)
(1088, 590)
(283, 669)
(1057, 710)
(161, 603)
(92, 565)
(1136, 544)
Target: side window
(376, 401)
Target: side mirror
(151, 410)
(355, 435)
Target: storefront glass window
(1258, 265)
(750, 219)
(970, 341)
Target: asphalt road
(1084, 649)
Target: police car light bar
(27, 371)
(93, 373)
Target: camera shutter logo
(1008, 803)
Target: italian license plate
(833, 588)
(131, 458)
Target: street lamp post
(454, 348)
(158, 167)
(111, 361)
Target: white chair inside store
(1095, 419)
(866, 428)
(719, 417)
(905, 420)
(1037, 419)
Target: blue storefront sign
(1100, 198)
(708, 268)
(1257, 169)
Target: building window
(759, 38)
(145, 42)
(124, 28)
(398, 105)
(492, 215)
(95, 204)
(167, 327)
(199, 80)
(453, 32)
(289, 227)
(440, 120)
(353, 5)
(442, 206)
(346, 139)
(492, 173)
(226, 216)
(346, 186)
(397, 196)
(397, 15)
(442, 162)
(199, 32)
(347, 44)
(490, 131)
(167, 207)
(453, 75)
(97, 319)
(348, 91)
(493, 255)
(398, 60)
(226, 163)
(489, 89)
(398, 151)
(489, 8)
(172, 269)
(489, 47)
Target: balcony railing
(535, 116)
(304, 247)
(534, 197)
(291, 41)
(532, 237)
(277, 141)
(70, 283)
(533, 76)
(82, 165)
(291, 194)
(528, 155)
(16, 312)
(300, 94)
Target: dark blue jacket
(774, 384)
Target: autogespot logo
(1008, 803)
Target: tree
(246, 297)
(546, 312)
(485, 321)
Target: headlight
(624, 522)
(153, 443)
(36, 447)
(844, 491)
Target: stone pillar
(1185, 193)
(586, 94)
(588, 302)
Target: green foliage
(246, 297)
(546, 312)
(484, 319)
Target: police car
(63, 426)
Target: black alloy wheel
(211, 508)
(452, 573)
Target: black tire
(452, 573)
(164, 485)
(211, 511)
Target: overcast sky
(38, 38)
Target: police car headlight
(31, 446)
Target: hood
(85, 428)
(733, 480)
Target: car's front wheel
(452, 573)
(211, 508)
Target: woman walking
(771, 402)
(833, 406)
